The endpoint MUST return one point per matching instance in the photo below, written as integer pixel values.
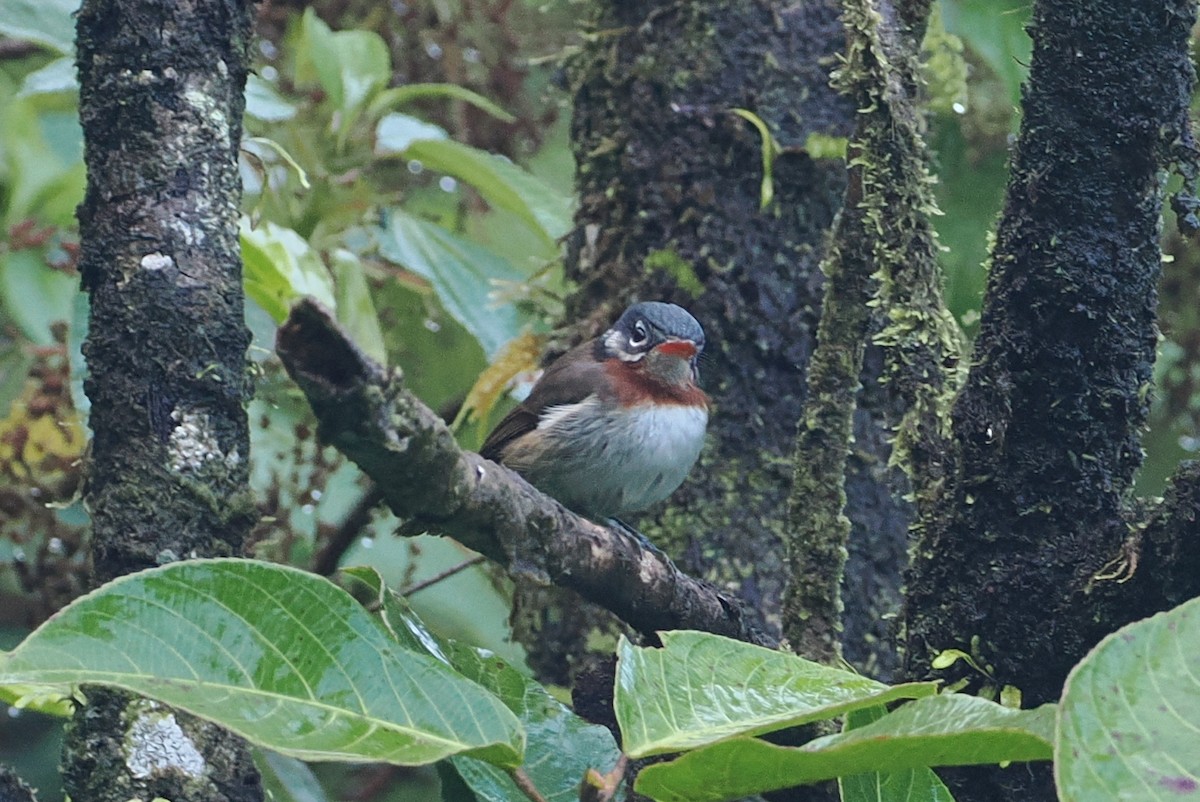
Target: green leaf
(399, 95)
(1130, 721)
(996, 32)
(355, 309)
(441, 360)
(945, 730)
(35, 295)
(769, 148)
(57, 76)
(911, 785)
(501, 183)
(396, 132)
(265, 103)
(462, 273)
(47, 22)
(286, 779)
(281, 268)
(350, 65)
(560, 746)
(701, 688)
(43, 154)
(284, 658)
(37, 699)
(280, 151)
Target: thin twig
(327, 559)
(526, 785)
(417, 587)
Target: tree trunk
(1046, 434)
(671, 194)
(161, 104)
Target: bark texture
(1045, 443)
(670, 184)
(161, 105)
(161, 101)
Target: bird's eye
(640, 335)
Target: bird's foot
(617, 523)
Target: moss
(821, 146)
(945, 69)
(678, 268)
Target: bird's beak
(683, 349)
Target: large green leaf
(281, 268)
(35, 295)
(463, 274)
(1130, 720)
(701, 688)
(282, 657)
(355, 308)
(909, 785)
(47, 22)
(501, 183)
(560, 746)
(946, 730)
(351, 65)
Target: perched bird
(615, 424)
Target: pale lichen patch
(156, 261)
(156, 744)
(648, 567)
(192, 442)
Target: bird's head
(662, 339)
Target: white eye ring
(640, 335)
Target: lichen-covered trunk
(1046, 431)
(672, 208)
(161, 101)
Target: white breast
(611, 461)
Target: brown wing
(570, 379)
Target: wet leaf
(699, 689)
(1130, 724)
(463, 274)
(282, 657)
(946, 730)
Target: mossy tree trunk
(671, 194)
(161, 104)
(1016, 559)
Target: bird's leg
(618, 524)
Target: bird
(614, 425)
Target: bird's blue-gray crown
(651, 323)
